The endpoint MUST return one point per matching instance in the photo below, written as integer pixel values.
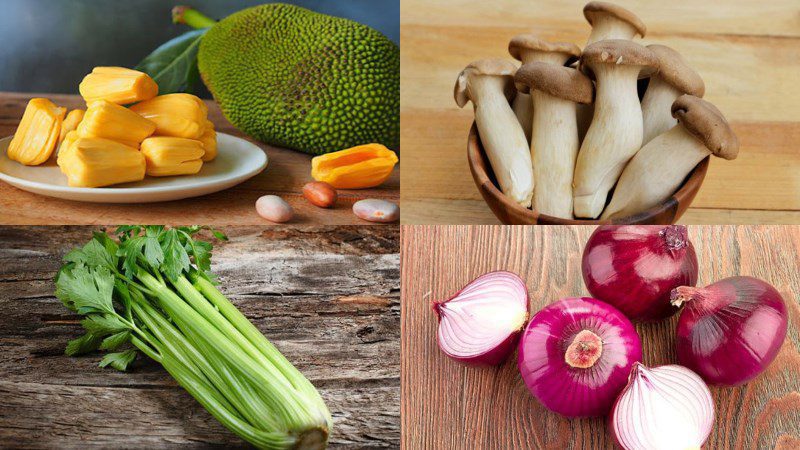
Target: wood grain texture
(446, 405)
(285, 176)
(748, 56)
(327, 297)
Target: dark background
(49, 45)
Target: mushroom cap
(705, 122)
(620, 52)
(594, 9)
(496, 67)
(522, 42)
(559, 81)
(673, 69)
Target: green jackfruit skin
(294, 78)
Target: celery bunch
(151, 290)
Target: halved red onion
(730, 331)
(480, 324)
(666, 407)
(634, 267)
(576, 354)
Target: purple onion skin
(634, 267)
(570, 391)
(731, 335)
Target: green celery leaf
(86, 290)
(176, 260)
(173, 65)
(84, 344)
(219, 235)
(124, 232)
(115, 340)
(152, 248)
(109, 244)
(103, 325)
(119, 360)
(129, 250)
(93, 254)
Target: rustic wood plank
(749, 71)
(285, 176)
(737, 17)
(461, 407)
(327, 297)
(430, 211)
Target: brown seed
(319, 193)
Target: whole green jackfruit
(295, 78)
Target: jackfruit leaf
(173, 65)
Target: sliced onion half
(666, 407)
(481, 323)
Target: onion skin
(666, 407)
(634, 267)
(493, 354)
(730, 331)
(565, 389)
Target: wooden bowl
(509, 212)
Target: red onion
(576, 354)
(667, 407)
(481, 323)
(730, 331)
(634, 267)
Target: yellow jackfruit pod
(70, 123)
(359, 167)
(37, 133)
(168, 156)
(176, 115)
(209, 140)
(95, 162)
(111, 121)
(117, 85)
(64, 149)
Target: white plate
(237, 160)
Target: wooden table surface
(446, 405)
(747, 52)
(285, 176)
(327, 297)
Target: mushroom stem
(502, 138)
(614, 136)
(523, 109)
(523, 104)
(655, 172)
(656, 104)
(610, 27)
(554, 148)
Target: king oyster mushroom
(528, 48)
(610, 21)
(489, 84)
(555, 90)
(615, 134)
(674, 78)
(660, 166)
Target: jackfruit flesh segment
(172, 156)
(37, 134)
(70, 123)
(117, 85)
(64, 149)
(111, 121)
(95, 162)
(177, 115)
(209, 140)
(184, 168)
